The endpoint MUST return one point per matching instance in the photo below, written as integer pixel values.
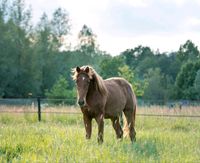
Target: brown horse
(101, 99)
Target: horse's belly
(114, 108)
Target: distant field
(159, 110)
(61, 138)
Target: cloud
(136, 3)
(155, 42)
(192, 23)
(122, 18)
(122, 24)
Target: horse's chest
(94, 108)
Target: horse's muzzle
(81, 102)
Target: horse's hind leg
(117, 127)
(130, 117)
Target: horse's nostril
(81, 103)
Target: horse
(105, 99)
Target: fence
(41, 106)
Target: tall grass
(61, 138)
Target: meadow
(61, 138)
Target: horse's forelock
(92, 75)
(82, 70)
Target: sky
(162, 25)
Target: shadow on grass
(11, 152)
(147, 148)
(144, 148)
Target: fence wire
(69, 106)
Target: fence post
(39, 109)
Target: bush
(60, 90)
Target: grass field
(61, 138)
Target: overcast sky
(123, 24)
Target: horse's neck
(94, 97)
(92, 90)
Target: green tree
(110, 66)
(138, 85)
(15, 49)
(126, 73)
(130, 58)
(87, 40)
(197, 84)
(185, 80)
(47, 59)
(168, 64)
(60, 22)
(60, 27)
(134, 56)
(20, 15)
(43, 65)
(3, 9)
(139, 59)
(145, 64)
(4, 50)
(154, 91)
(188, 51)
(60, 90)
(87, 50)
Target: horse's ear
(78, 69)
(87, 69)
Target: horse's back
(118, 84)
(120, 95)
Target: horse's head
(82, 82)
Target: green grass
(61, 138)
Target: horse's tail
(125, 129)
(126, 125)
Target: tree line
(36, 60)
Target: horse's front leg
(88, 125)
(100, 121)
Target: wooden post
(39, 109)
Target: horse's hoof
(133, 140)
(100, 141)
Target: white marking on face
(83, 78)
